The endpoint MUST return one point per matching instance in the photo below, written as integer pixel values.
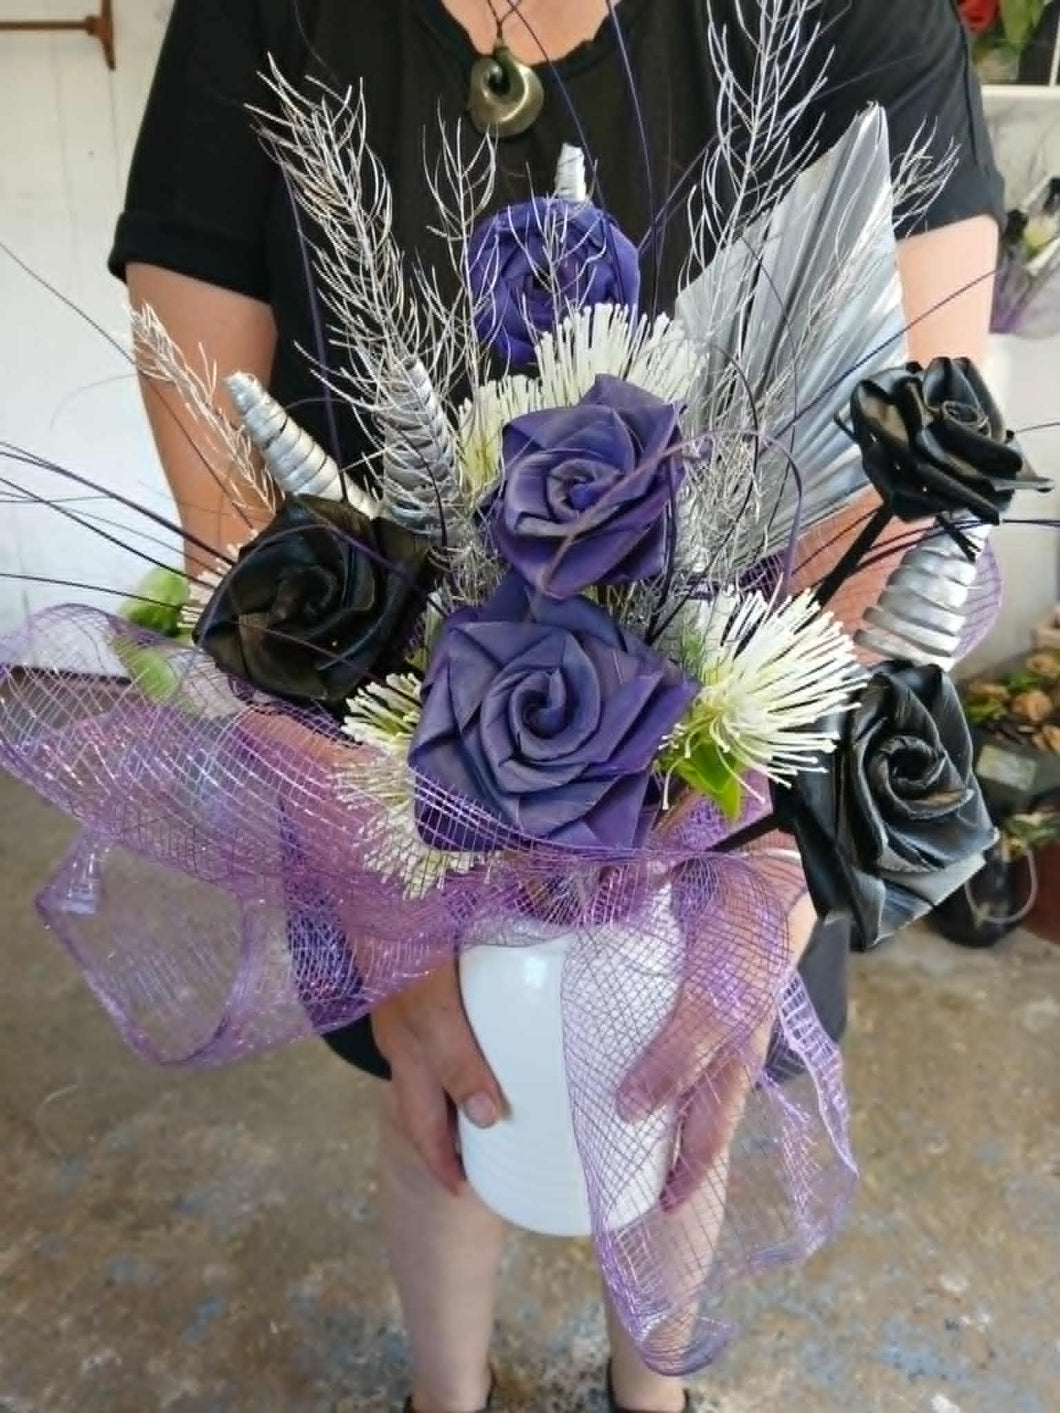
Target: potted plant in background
(1014, 714)
(1001, 32)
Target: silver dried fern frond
(801, 299)
(789, 320)
(225, 448)
(408, 343)
(919, 176)
(382, 315)
(762, 138)
(461, 184)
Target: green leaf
(729, 798)
(1022, 681)
(149, 669)
(706, 771)
(165, 593)
(985, 713)
(1019, 19)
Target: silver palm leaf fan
(786, 320)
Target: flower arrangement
(605, 610)
(1022, 705)
(567, 656)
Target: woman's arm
(237, 334)
(948, 285)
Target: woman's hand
(435, 1061)
(681, 1068)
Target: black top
(205, 200)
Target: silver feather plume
(297, 464)
(922, 612)
(421, 479)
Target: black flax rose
(896, 820)
(934, 442)
(321, 600)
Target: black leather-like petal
(896, 820)
(320, 600)
(934, 442)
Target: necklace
(505, 96)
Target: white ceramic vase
(527, 1167)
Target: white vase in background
(527, 1167)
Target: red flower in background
(980, 15)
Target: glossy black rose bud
(934, 442)
(321, 600)
(896, 821)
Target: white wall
(65, 144)
(1025, 377)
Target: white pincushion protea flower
(482, 422)
(656, 356)
(383, 717)
(385, 714)
(770, 675)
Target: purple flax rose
(548, 717)
(587, 491)
(532, 263)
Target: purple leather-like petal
(587, 492)
(548, 716)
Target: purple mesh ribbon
(984, 603)
(227, 894)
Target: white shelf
(996, 93)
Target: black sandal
(614, 1407)
(489, 1401)
(410, 1409)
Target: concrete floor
(205, 1244)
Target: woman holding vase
(209, 239)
